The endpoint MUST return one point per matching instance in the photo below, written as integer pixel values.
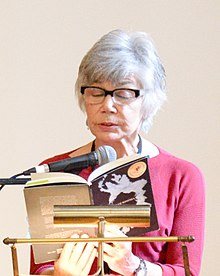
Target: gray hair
(119, 55)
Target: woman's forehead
(121, 82)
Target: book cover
(130, 184)
(40, 200)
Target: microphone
(101, 156)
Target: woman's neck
(123, 147)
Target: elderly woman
(121, 86)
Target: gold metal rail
(100, 240)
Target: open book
(123, 181)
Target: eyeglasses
(96, 95)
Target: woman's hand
(120, 258)
(119, 255)
(75, 259)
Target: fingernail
(84, 236)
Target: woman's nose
(108, 104)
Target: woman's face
(110, 122)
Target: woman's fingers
(67, 249)
(87, 258)
(76, 258)
(77, 250)
(113, 231)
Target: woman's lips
(107, 125)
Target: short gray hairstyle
(120, 55)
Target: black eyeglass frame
(110, 92)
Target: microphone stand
(13, 181)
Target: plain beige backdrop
(41, 45)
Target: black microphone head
(105, 154)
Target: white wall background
(41, 45)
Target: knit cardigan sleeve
(179, 193)
(189, 219)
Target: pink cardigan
(179, 194)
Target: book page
(54, 177)
(112, 165)
(40, 202)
